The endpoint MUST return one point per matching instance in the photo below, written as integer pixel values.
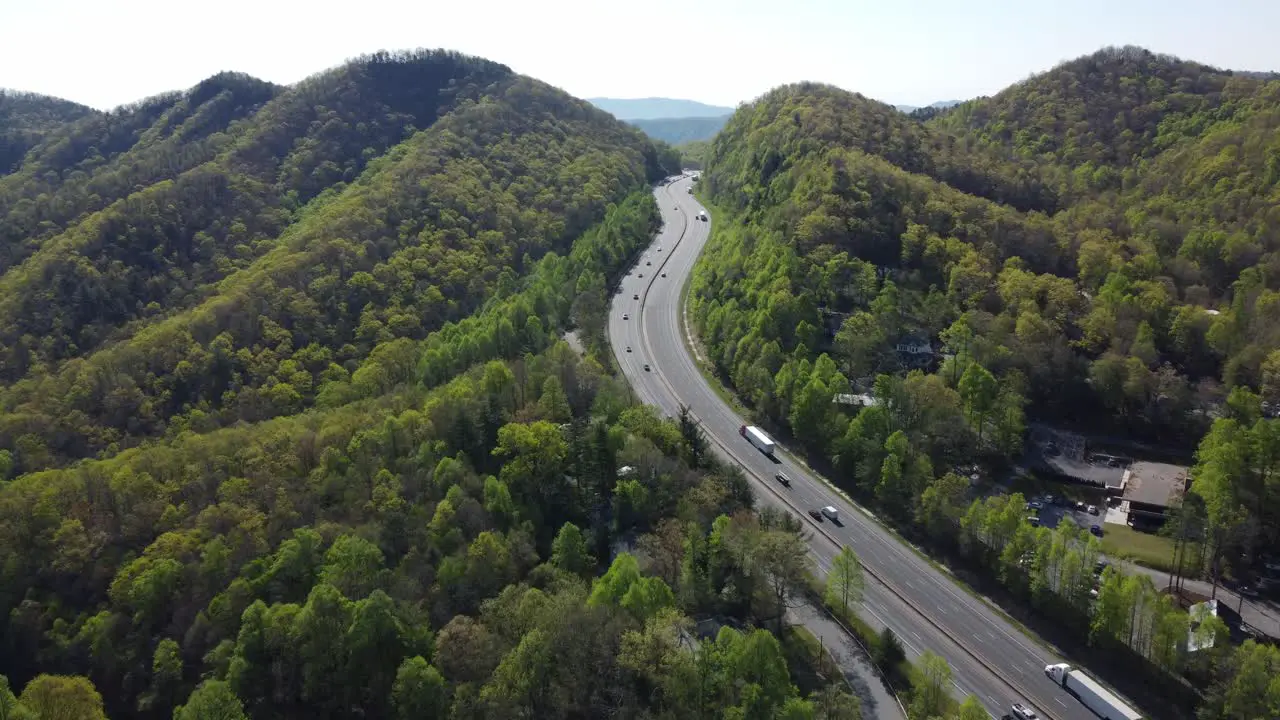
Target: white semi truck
(756, 436)
(1087, 690)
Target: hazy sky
(107, 52)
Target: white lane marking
(1059, 701)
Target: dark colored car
(783, 479)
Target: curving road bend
(921, 604)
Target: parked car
(1035, 521)
(1080, 506)
(1096, 530)
(1035, 505)
(1093, 509)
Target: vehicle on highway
(702, 216)
(1093, 695)
(664, 274)
(646, 262)
(832, 513)
(640, 275)
(636, 296)
(646, 367)
(1022, 712)
(626, 316)
(757, 437)
(659, 248)
(628, 348)
(782, 479)
(815, 515)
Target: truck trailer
(1088, 691)
(756, 436)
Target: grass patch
(1122, 541)
(811, 668)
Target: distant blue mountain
(940, 105)
(656, 108)
(678, 131)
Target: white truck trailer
(1087, 690)
(756, 436)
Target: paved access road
(923, 606)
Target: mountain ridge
(1095, 249)
(677, 131)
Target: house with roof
(1149, 489)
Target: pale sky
(104, 53)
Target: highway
(921, 604)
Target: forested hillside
(25, 118)
(249, 247)
(1095, 247)
(333, 458)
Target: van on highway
(831, 513)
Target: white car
(1022, 712)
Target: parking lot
(1065, 454)
(1052, 513)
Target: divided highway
(921, 604)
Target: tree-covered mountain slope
(445, 526)
(1095, 247)
(1101, 114)
(371, 203)
(24, 120)
(332, 457)
(961, 211)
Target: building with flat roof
(1149, 489)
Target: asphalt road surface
(923, 606)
